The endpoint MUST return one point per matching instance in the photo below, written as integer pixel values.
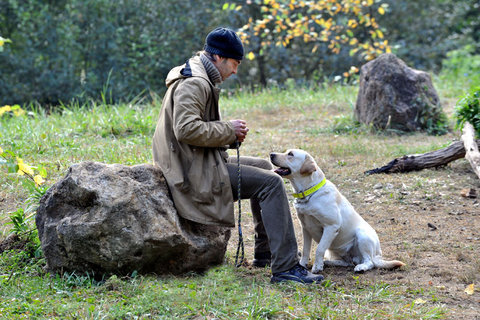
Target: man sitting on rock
(189, 146)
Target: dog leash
(240, 234)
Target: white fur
(344, 238)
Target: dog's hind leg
(367, 265)
(334, 260)
(366, 250)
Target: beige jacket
(189, 146)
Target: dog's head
(293, 163)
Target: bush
(468, 109)
(422, 39)
(464, 65)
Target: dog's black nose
(272, 156)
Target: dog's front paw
(304, 262)
(317, 268)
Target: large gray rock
(116, 219)
(394, 96)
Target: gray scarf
(212, 71)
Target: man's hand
(241, 129)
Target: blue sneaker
(299, 274)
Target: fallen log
(433, 159)
(471, 147)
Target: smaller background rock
(396, 97)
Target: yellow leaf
(38, 179)
(328, 24)
(18, 112)
(353, 69)
(23, 168)
(381, 10)
(3, 41)
(379, 33)
(470, 289)
(420, 301)
(5, 109)
(1, 150)
(250, 56)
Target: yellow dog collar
(308, 192)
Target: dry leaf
(470, 289)
(420, 301)
(469, 193)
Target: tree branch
(471, 147)
(432, 159)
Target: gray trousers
(274, 230)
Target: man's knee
(264, 164)
(256, 162)
(275, 181)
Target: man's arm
(190, 100)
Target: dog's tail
(388, 264)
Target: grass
(222, 293)
(317, 119)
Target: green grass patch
(223, 292)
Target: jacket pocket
(201, 176)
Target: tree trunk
(432, 159)
(472, 153)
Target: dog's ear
(308, 166)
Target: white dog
(343, 236)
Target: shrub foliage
(468, 110)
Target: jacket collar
(192, 68)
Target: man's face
(226, 66)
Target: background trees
(423, 32)
(115, 50)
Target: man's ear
(308, 166)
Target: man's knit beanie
(225, 43)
